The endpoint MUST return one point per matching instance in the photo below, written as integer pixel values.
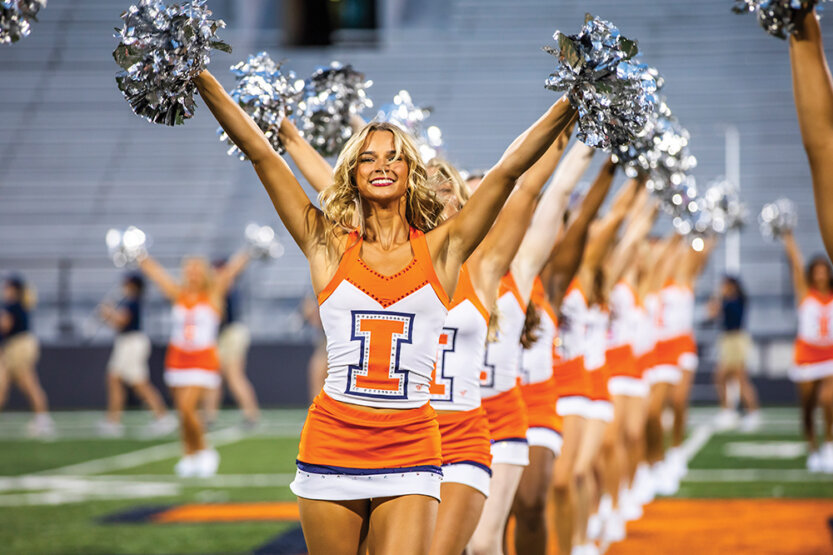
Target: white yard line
(141, 456)
(698, 438)
(755, 475)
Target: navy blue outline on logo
(363, 363)
(453, 343)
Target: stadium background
(74, 161)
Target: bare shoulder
(326, 253)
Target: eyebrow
(373, 152)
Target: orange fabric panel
(204, 359)
(571, 378)
(465, 291)
(669, 351)
(621, 362)
(507, 415)
(807, 353)
(339, 434)
(540, 299)
(507, 284)
(465, 436)
(540, 401)
(645, 362)
(598, 385)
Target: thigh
(826, 390)
(591, 441)
(334, 527)
(402, 524)
(186, 398)
(656, 398)
(573, 431)
(536, 478)
(681, 390)
(457, 518)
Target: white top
(503, 356)
(815, 319)
(677, 305)
(536, 362)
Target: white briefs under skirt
(510, 451)
(472, 475)
(344, 487)
(545, 437)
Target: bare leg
(211, 402)
(29, 384)
(655, 449)
(457, 518)
(679, 401)
(634, 431)
(334, 527)
(4, 386)
(115, 398)
(720, 380)
(591, 442)
(826, 403)
(316, 371)
(807, 396)
(563, 482)
(488, 535)
(531, 502)
(747, 390)
(187, 399)
(387, 534)
(241, 389)
(151, 397)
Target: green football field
(80, 493)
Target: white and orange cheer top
(572, 326)
(456, 383)
(192, 358)
(814, 341)
(536, 363)
(503, 356)
(624, 316)
(382, 331)
(677, 309)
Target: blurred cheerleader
(192, 365)
(813, 91)
(19, 353)
(128, 364)
(813, 369)
(385, 270)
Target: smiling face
(381, 172)
(449, 187)
(195, 274)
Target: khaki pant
(20, 353)
(129, 360)
(233, 344)
(733, 348)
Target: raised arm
(568, 251)
(643, 215)
(796, 261)
(813, 91)
(599, 244)
(314, 167)
(115, 317)
(468, 228)
(540, 238)
(231, 270)
(299, 215)
(160, 276)
(491, 259)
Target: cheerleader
(813, 369)
(128, 364)
(192, 365)
(19, 353)
(571, 389)
(813, 91)
(370, 455)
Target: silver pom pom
(404, 114)
(777, 17)
(127, 247)
(263, 242)
(778, 218)
(162, 49)
(614, 95)
(267, 94)
(331, 96)
(16, 18)
(720, 208)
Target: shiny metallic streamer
(161, 49)
(411, 118)
(721, 209)
(331, 96)
(777, 218)
(265, 92)
(128, 247)
(777, 17)
(613, 94)
(16, 17)
(263, 242)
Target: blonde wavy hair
(445, 172)
(341, 202)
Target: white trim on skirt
(345, 487)
(545, 437)
(511, 451)
(469, 475)
(664, 373)
(627, 386)
(187, 377)
(811, 372)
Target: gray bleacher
(75, 161)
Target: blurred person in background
(813, 369)
(19, 353)
(232, 348)
(317, 365)
(729, 308)
(128, 364)
(192, 364)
